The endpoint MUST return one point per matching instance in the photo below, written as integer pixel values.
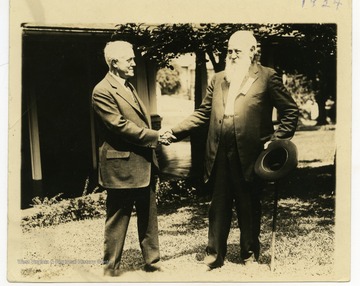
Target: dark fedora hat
(278, 160)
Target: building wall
(59, 71)
(58, 74)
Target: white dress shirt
(234, 90)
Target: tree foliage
(312, 50)
(169, 79)
(161, 43)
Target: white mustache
(236, 70)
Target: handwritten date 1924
(323, 3)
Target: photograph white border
(285, 11)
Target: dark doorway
(59, 71)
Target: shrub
(303, 91)
(53, 211)
(174, 191)
(169, 79)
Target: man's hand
(166, 137)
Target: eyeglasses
(129, 60)
(236, 51)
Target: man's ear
(113, 62)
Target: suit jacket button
(220, 121)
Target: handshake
(166, 137)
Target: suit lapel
(123, 92)
(249, 79)
(141, 106)
(247, 82)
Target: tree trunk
(198, 138)
(219, 64)
(327, 89)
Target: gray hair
(113, 49)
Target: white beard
(235, 72)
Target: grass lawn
(304, 250)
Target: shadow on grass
(306, 193)
(132, 259)
(198, 251)
(233, 253)
(197, 221)
(306, 208)
(306, 211)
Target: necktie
(129, 87)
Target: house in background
(60, 67)
(61, 64)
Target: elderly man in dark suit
(127, 160)
(238, 109)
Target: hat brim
(277, 161)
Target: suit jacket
(261, 90)
(126, 142)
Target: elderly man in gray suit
(127, 160)
(238, 109)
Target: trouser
(119, 205)
(229, 188)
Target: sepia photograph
(179, 149)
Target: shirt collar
(118, 79)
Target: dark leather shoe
(211, 262)
(113, 272)
(250, 261)
(209, 268)
(154, 267)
